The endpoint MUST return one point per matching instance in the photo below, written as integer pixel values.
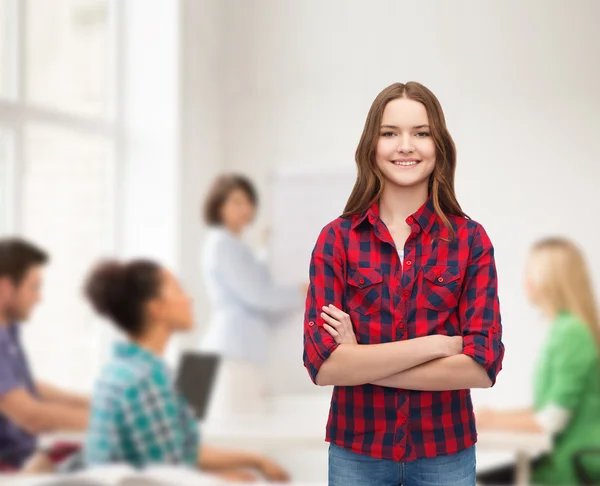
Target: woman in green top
(567, 375)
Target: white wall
(201, 155)
(518, 82)
(151, 176)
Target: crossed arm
(52, 394)
(432, 364)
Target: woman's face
(405, 151)
(172, 306)
(238, 210)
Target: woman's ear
(7, 289)
(154, 310)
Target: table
(304, 428)
(299, 432)
(525, 446)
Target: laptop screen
(195, 380)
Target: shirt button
(440, 279)
(406, 293)
(408, 263)
(311, 323)
(410, 220)
(362, 281)
(402, 419)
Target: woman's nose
(405, 145)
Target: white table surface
(297, 424)
(302, 430)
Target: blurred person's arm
(49, 393)
(509, 420)
(329, 363)
(38, 417)
(250, 282)
(228, 462)
(552, 419)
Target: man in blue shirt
(27, 407)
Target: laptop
(195, 380)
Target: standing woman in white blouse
(245, 301)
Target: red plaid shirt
(442, 287)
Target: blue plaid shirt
(137, 416)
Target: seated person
(28, 407)
(137, 417)
(567, 379)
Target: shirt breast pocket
(364, 290)
(440, 287)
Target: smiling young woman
(402, 314)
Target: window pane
(6, 182)
(68, 209)
(67, 55)
(7, 33)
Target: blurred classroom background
(115, 116)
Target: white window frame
(16, 113)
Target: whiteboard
(303, 202)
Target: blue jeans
(347, 468)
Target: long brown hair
(560, 275)
(369, 181)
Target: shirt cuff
(553, 418)
(317, 353)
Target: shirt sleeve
(479, 307)
(573, 361)
(249, 280)
(151, 416)
(9, 381)
(326, 287)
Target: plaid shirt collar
(425, 216)
(131, 350)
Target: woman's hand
(338, 325)
(272, 471)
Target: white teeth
(406, 164)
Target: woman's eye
(422, 134)
(388, 134)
